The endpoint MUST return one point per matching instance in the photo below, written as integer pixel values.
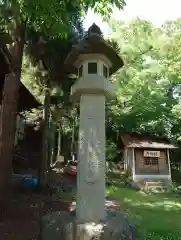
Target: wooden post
(134, 165)
(169, 167)
(45, 128)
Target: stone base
(63, 226)
(152, 185)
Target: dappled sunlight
(141, 199)
(161, 205)
(157, 216)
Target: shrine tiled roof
(134, 140)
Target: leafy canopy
(52, 17)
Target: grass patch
(157, 216)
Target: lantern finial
(94, 30)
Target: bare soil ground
(22, 219)
(24, 213)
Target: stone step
(153, 183)
(160, 185)
(157, 186)
(157, 189)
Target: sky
(157, 11)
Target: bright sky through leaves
(156, 11)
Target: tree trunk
(7, 134)
(59, 147)
(45, 148)
(8, 114)
(53, 154)
(54, 144)
(73, 141)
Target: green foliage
(49, 17)
(111, 151)
(32, 78)
(61, 110)
(54, 18)
(148, 84)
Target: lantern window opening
(80, 71)
(105, 71)
(92, 68)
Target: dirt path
(24, 214)
(25, 211)
(22, 220)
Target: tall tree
(17, 17)
(52, 54)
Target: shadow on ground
(25, 211)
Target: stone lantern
(95, 61)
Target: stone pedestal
(64, 226)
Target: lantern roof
(94, 43)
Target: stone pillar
(90, 204)
(91, 90)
